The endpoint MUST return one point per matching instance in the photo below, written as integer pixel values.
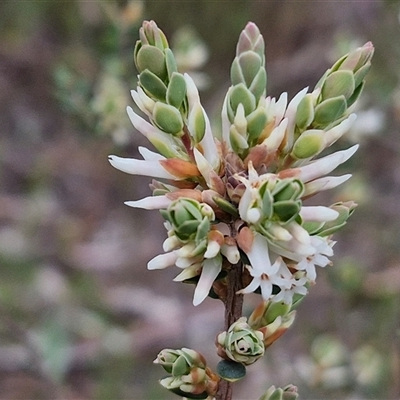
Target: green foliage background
(80, 316)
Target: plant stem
(233, 311)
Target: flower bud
(345, 209)
(190, 377)
(267, 312)
(309, 144)
(287, 393)
(190, 219)
(241, 343)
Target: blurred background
(80, 315)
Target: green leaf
(305, 112)
(153, 85)
(231, 371)
(180, 393)
(240, 94)
(151, 58)
(168, 118)
(330, 110)
(339, 83)
(176, 90)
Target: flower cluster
(190, 377)
(240, 199)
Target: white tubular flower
(211, 269)
(297, 286)
(163, 261)
(318, 213)
(150, 203)
(326, 183)
(140, 167)
(325, 165)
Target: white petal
(150, 203)
(252, 286)
(318, 213)
(162, 261)
(259, 256)
(326, 183)
(203, 166)
(149, 155)
(188, 273)
(213, 249)
(211, 269)
(140, 167)
(171, 243)
(332, 135)
(226, 123)
(326, 164)
(290, 114)
(274, 140)
(280, 107)
(207, 143)
(231, 253)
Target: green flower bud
(346, 77)
(150, 34)
(190, 219)
(287, 393)
(149, 50)
(251, 39)
(309, 144)
(168, 118)
(241, 343)
(197, 123)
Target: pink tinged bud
(180, 169)
(326, 183)
(318, 214)
(211, 269)
(150, 203)
(162, 261)
(140, 167)
(325, 165)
